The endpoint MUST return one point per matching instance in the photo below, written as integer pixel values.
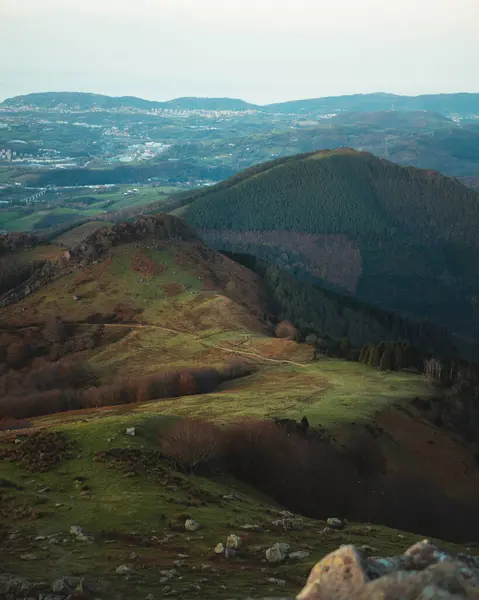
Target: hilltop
(396, 237)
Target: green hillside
(401, 238)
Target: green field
(71, 206)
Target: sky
(262, 51)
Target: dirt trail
(200, 339)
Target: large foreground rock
(422, 572)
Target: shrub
(287, 330)
(108, 395)
(60, 375)
(194, 445)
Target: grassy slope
(210, 329)
(119, 503)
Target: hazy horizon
(257, 50)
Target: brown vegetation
(41, 451)
(71, 386)
(287, 330)
(314, 477)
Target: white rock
(299, 555)
(191, 525)
(124, 570)
(130, 431)
(234, 541)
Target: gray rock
(249, 527)
(230, 553)
(299, 555)
(191, 525)
(280, 582)
(130, 431)
(169, 573)
(335, 523)
(28, 557)
(124, 570)
(277, 553)
(79, 533)
(234, 541)
(291, 523)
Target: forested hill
(400, 237)
(341, 191)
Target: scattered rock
(191, 525)
(28, 557)
(299, 555)
(130, 431)
(280, 582)
(134, 556)
(62, 586)
(219, 548)
(289, 523)
(78, 532)
(234, 541)
(124, 570)
(249, 527)
(168, 574)
(277, 553)
(231, 497)
(335, 523)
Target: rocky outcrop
(159, 227)
(422, 572)
(40, 277)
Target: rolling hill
(462, 104)
(87, 101)
(138, 328)
(396, 237)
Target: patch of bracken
(40, 451)
(134, 461)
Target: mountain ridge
(464, 103)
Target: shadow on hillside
(310, 475)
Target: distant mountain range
(463, 104)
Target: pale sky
(259, 50)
